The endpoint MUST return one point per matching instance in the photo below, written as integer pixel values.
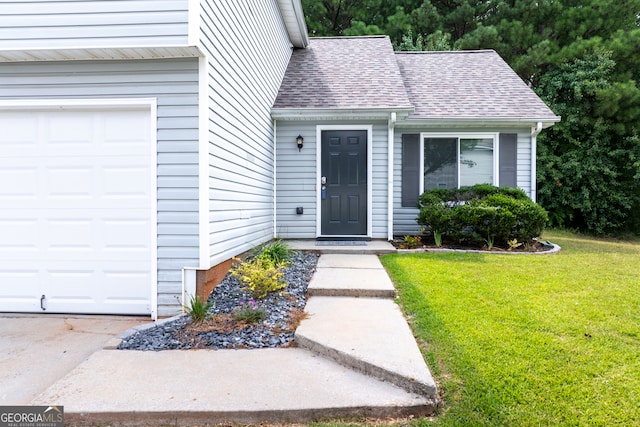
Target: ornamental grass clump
(198, 309)
(278, 251)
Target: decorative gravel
(219, 331)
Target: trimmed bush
(482, 214)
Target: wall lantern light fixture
(299, 141)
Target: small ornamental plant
(258, 276)
(198, 309)
(277, 251)
(411, 242)
(250, 312)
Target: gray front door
(344, 183)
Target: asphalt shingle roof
(344, 73)
(467, 85)
(365, 73)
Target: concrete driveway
(37, 350)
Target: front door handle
(323, 180)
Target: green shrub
(482, 214)
(464, 194)
(530, 218)
(259, 276)
(436, 216)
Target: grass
(517, 340)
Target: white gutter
(475, 122)
(392, 121)
(534, 134)
(338, 113)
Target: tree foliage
(590, 163)
(581, 56)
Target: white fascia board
(339, 113)
(293, 18)
(98, 53)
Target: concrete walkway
(356, 357)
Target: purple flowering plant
(249, 311)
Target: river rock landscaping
(283, 310)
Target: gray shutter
(411, 158)
(508, 160)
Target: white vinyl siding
(39, 24)
(174, 83)
(404, 218)
(296, 178)
(380, 180)
(248, 50)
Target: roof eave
(293, 17)
(380, 113)
(480, 122)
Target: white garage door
(76, 211)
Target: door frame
(369, 130)
(109, 104)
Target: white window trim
(462, 135)
(369, 130)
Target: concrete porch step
(369, 335)
(371, 247)
(350, 275)
(353, 320)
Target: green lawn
(541, 340)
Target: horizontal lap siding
(79, 23)
(296, 179)
(248, 51)
(523, 156)
(380, 179)
(174, 84)
(404, 219)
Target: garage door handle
(42, 299)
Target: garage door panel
(127, 237)
(120, 287)
(19, 286)
(17, 182)
(19, 234)
(76, 208)
(69, 182)
(128, 183)
(19, 132)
